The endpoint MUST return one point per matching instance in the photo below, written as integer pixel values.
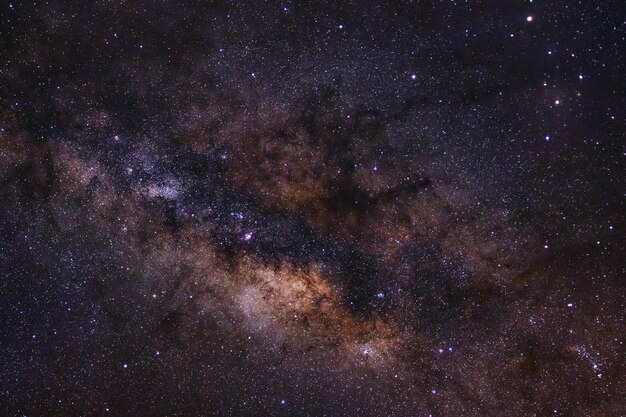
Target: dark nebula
(312, 208)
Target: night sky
(294, 208)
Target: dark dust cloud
(312, 208)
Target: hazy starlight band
(325, 209)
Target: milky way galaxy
(312, 208)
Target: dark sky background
(290, 208)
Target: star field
(312, 208)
